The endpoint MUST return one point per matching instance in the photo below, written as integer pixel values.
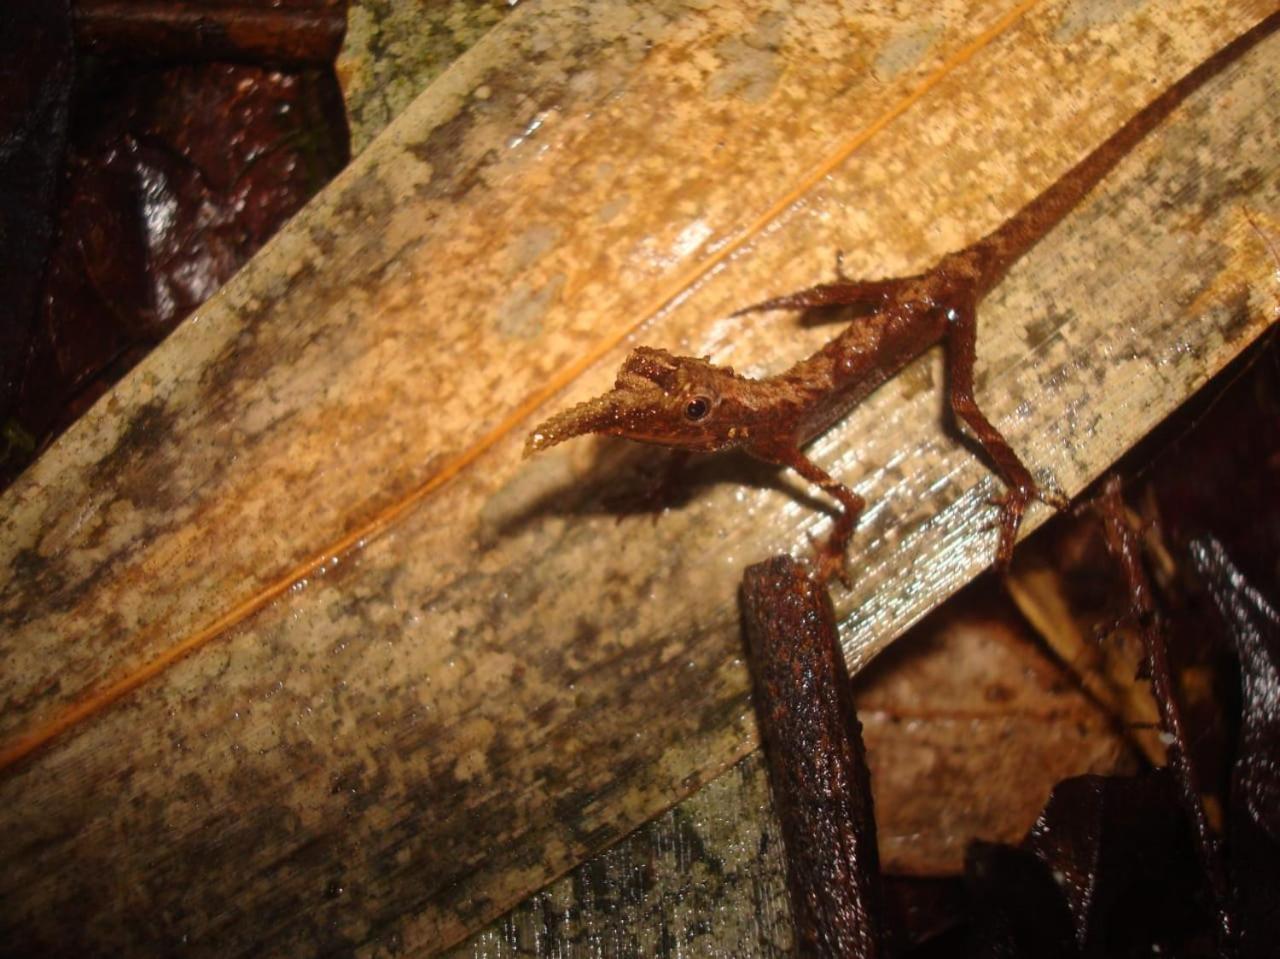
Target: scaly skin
(691, 404)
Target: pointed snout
(594, 416)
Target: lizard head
(678, 401)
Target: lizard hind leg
(1021, 487)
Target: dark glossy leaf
(1253, 626)
(175, 177)
(36, 70)
(1017, 908)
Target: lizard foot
(1012, 505)
(829, 562)
(1051, 496)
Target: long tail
(1001, 248)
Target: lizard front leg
(832, 555)
(962, 328)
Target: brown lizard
(694, 405)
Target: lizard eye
(698, 407)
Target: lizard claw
(1051, 496)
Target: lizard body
(692, 404)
